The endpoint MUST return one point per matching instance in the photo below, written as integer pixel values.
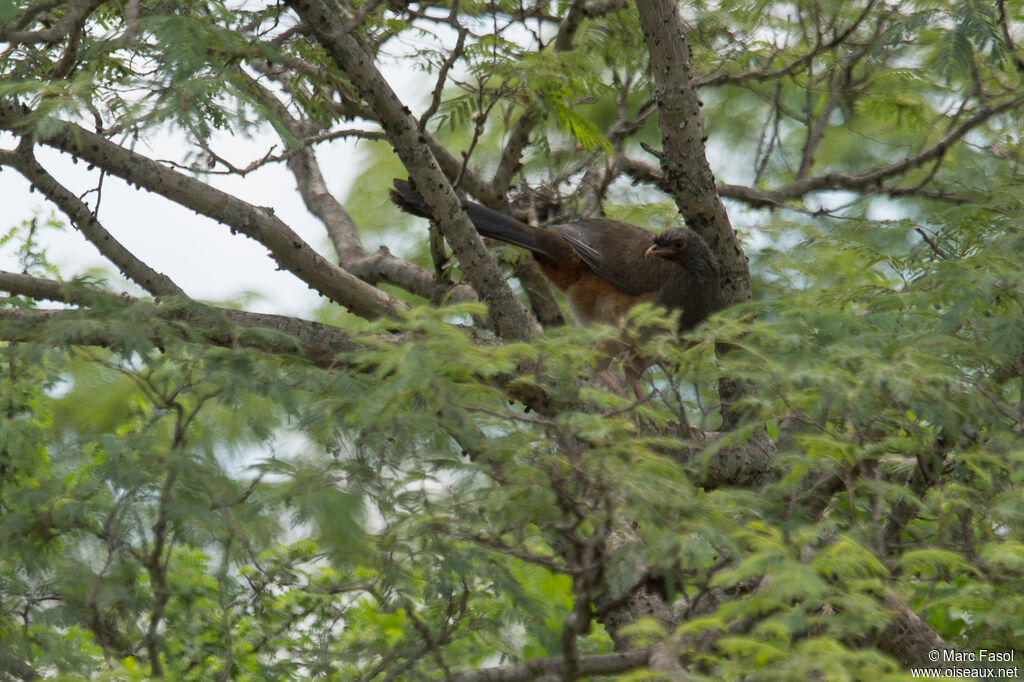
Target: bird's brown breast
(592, 299)
(600, 267)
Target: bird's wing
(615, 251)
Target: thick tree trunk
(687, 175)
(684, 164)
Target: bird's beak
(655, 250)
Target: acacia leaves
(284, 519)
(196, 493)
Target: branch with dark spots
(316, 342)
(59, 31)
(599, 664)
(86, 222)
(370, 267)
(289, 249)
(687, 174)
(507, 314)
(765, 72)
(341, 229)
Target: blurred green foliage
(209, 513)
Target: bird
(604, 267)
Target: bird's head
(695, 286)
(671, 244)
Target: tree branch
(319, 343)
(60, 29)
(688, 176)
(599, 664)
(507, 314)
(259, 223)
(341, 229)
(816, 127)
(512, 152)
(579, 10)
(764, 73)
(873, 178)
(19, 668)
(442, 76)
(907, 638)
(86, 222)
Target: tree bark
(687, 174)
(508, 316)
(286, 247)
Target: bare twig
(939, 251)
(87, 223)
(599, 664)
(287, 247)
(55, 33)
(506, 313)
(317, 342)
(446, 67)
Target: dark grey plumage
(604, 266)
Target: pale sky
(202, 256)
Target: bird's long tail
(488, 222)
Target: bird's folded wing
(615, 251)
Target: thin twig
(939, 251)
